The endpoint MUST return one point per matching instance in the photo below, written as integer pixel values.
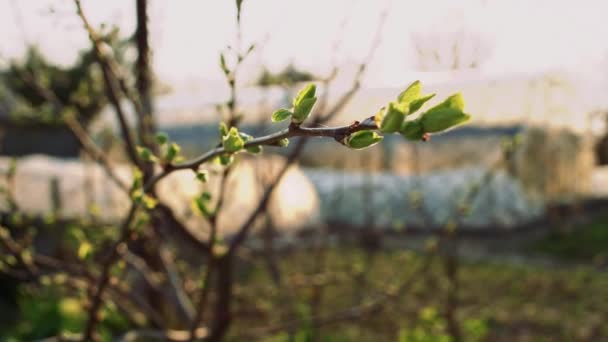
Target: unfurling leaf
(393, 118)
(303, 109)
(202, 175)
(223, 129)
(172, 152)
(441, 119)
(281, 114)
(138, 180)
(411, 93)
(162, 138)
(307, 93)
(379, 116)
(145, 154)
(201, 203)
(412, 130)
(233, 142)
(419, 102)
(455, 101)
(363, 139)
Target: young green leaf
(393, 118)
(303, 109)
(363, 139)
(281, 114)
(201, 202)
(455, 101)
(412, 130)
(307, 93)
(223, 128)
(172, 152)
(411, 93)
(441, 119)
(419, 102)
(379, 116)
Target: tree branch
(113, 89)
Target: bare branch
(113, 89)
(97, 291)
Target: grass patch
(582, 243)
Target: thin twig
(97, 291)
(113, 90)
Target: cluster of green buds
(393, 118)
(445, 115)
(169, 151)
(234, 141)
(137, 192)
(302, 106)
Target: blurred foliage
(587, 242)
(50, 311)
(287, 77)
(497, 301)
(79, 87)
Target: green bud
(172, 152)
(257, 149)
(283, 142)
(233, 142)
(441, 119)
(137, 196)
(412, 130)
(363, 139)
(303, 109)
(202, 175)
(223, 129)
(411, 93)
(145, 154)
(392, 120)
(201, 202)
(149, 201)
(419, 102)
(281, 114)
(162, 138)
(379, 116)
(138, 180)
(223, 64)
(307, 93)
(85, 249)
(225, 159)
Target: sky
(520, 36)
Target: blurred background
(496, 230)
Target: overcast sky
(187, 35)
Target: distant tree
(287, 77)
(79, 87)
